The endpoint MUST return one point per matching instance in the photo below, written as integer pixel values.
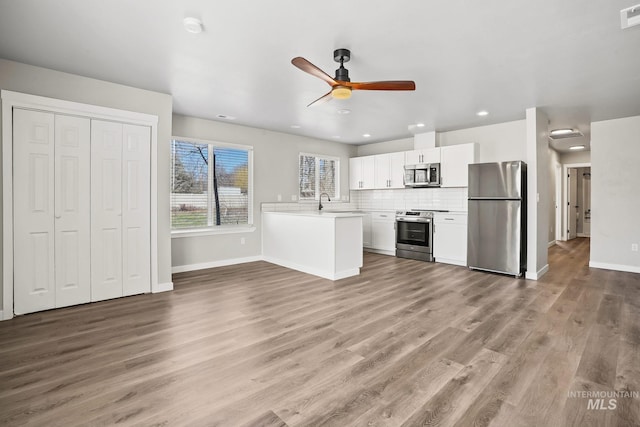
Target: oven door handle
(426, 221)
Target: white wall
(554, 162)
(615, 193)
(32, 80)
(275, 170)
(394, 146)
(575, 157)
(538, 197)
(497, 143)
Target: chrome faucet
(320, 200)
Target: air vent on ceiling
(630, 16)
(564, 133)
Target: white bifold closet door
(120, 210)
(51, 202)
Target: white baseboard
(163, 287)
(538, 274)
(213, 264)
(380, 251)
(551, 243)
(451, 261)
(314, 271)
(617, 267)
(584, 235)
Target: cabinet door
(454, 168)
(72, 210)
(381, 167)
(383, 231)
(396, 170)
(432, 155)
(106, 210)
(450, 239)
(33, 211)
(355, 172)
(366, 231)
(136, 237)
(368, 172)
(412, 157)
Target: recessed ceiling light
(336, 136)
(576, 147)
(366, 135)
(192, 25)
(561, 131)
(420, 125)
(344, 111)
(295, 126)
(482, 113)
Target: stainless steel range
(414, 235)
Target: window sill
(198, 232)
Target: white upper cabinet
(427, 155)
(454, 165)
(362, 173)
(389, 170)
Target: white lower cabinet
(366, 231)
(450, 238)
(81, 210)
(383, 233)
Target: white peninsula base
(325, 244)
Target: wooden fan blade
(385, 85)
(324, 98)
(308, 67)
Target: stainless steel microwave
(422, 175)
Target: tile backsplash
(453, 199)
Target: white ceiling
(568, 57)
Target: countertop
(320, 214)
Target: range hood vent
(630, 16)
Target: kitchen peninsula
(325, 244)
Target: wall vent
(630, 16)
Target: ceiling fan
(341, 85)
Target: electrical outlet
(634, 247)
(279, 197)
(242, 241)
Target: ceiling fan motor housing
(342, 56)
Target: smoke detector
(630, 16)
(192, 25)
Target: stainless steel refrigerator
(497, 230)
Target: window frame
(336, 178)
(225, 228)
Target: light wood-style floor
(406, 343)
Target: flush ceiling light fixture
(366, 135)
(482, 113)
(295, 126)
(341, 92)
(564, 133)
(420, 125)
(630, 16)
(576, 147)
(192, 25)
(344, 111)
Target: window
(319, 174)
(210, 185)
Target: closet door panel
(72, 210)
(136, 210)
(106, 210)
(33, 211)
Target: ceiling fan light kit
(341, 84)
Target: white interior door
(106, 210)
(33, 206)
(572, 206)
(72, 210)
(136, 201)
